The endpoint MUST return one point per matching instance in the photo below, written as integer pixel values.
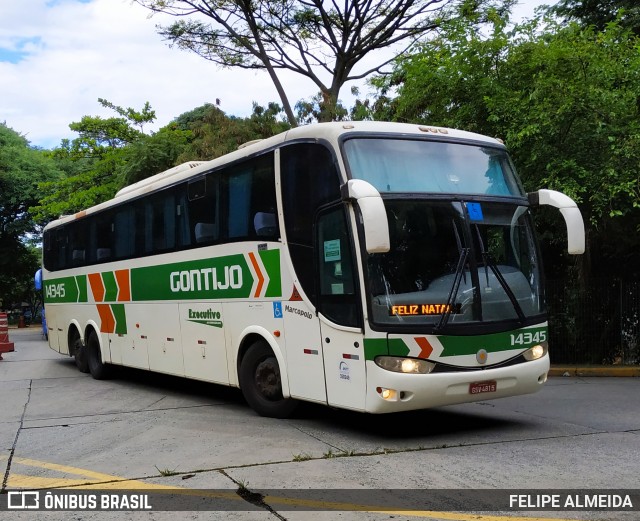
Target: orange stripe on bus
(107, 320)
(425, 346)
(124, 293)
(97, 286)
(256, 267)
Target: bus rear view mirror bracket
(570, 212)
(374, 215)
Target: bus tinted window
(186, 215)
(252, 207)
(309, 181)
(203, 210)
(402, 165)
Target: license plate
(483, 387)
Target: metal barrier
(595, 323)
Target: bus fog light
(404, 365)
(387, 394)
(536, 352)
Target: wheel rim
(267, 379)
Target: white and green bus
(377, 267)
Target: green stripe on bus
(64, 290)
(374, 347)
(398, 347)
(217, 278)
(81, 285)
(469, 345)
(271, 261)
(110, 286)
(120, 318)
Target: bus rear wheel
(98, 369)
(261, 383)
(80, 354)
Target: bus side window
(337, 300)
(309, 180)
(203, 207)
(60, 247)
(251, 196)
(125, 232)
(104, 234)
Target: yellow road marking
(89, 474)
(104, 481)
(377, 509)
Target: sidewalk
(594, 370)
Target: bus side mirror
(570, 212)
(38, 279)
(374, 215)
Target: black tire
(260, 382)
(98, 369)
(80, 355)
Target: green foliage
(94, 161)
(152, 154)
(21, 169)
(565, 98)
(320, 109)
(110, 153)
(599, 13)
(95, 182)
(217, 134)
(146, 115)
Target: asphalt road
(178, 440)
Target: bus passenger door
(340, 317)
(305, 365)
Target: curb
(594, 370)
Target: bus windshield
(453, 263)
(403, 165)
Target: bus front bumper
(388, 391)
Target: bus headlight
(536, 352)
(404, 365)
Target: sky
(57, 57)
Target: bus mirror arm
(374, 215)
(570, 212)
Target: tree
(92, 161)
(600, 12)
(152, 154)
(216, 134)
(22, 168)
(565, 98)
(312, 38)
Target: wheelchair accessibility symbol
(277, 310)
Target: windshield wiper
(462, 260)
(489, 261)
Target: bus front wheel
(261, 383)
(98, 369)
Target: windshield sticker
(407, 310)
(475, 211)
(332, 250)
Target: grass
(166, 471)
